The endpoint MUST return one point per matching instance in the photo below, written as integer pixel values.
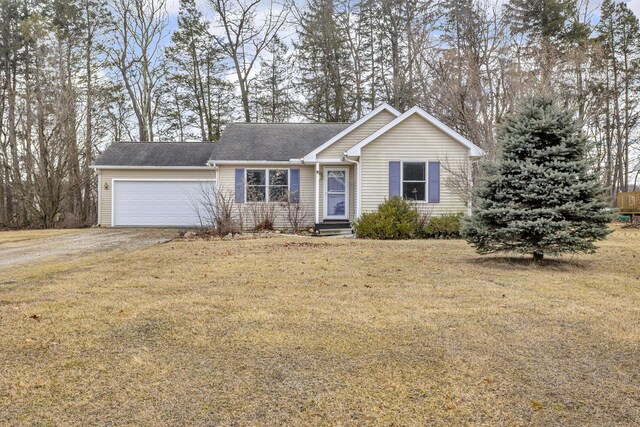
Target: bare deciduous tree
(246, 35)
(138, 27)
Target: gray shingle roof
(156, 154)
(273, 141)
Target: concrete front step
(334, 232)
(333, 228)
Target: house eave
(98, 167)
(249, 162)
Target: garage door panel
(158, 203)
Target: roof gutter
(248, 162)
(151, 167)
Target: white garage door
(158, 203)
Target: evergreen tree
(323, 58)
(545, 23)
(195, 76)
(541, 196)
(546, 19)
(274, 95)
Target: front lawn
(308, 331)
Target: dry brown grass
(311, 331)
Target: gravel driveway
(30, 248)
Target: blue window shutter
(239, 185)
(394, 179)
(294, 185)
(434, 182)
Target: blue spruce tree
(541, 196)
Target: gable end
(474, 150)
(311, 157)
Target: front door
(336, 192)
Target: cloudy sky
(173, 5)
(635, 6)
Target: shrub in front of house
(446, 226)
(396, 218)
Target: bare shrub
(262, 213)
(297, 213)
(458, 180)
(217, 210)
(424, 216)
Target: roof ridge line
(289, 123)
(164, 142)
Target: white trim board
(474, 150)
(248, 162)
(322, 161)
(311, 157)
(98, 167)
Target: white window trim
(426, 179)
(266, 196)
(346, 192)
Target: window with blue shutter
(434, 182)
(394, 179)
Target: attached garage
(159, 202)
(154, 184)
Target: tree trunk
(538, 256)
(28, 154)
(16, 183)
(87, 207)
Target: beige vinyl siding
(415, 139)
(337, 149)
(226, 183)
(107, 176)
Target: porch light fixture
(106, 186)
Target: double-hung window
(278, 185)
(270, 185)
(414, 182)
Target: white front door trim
(325, 180)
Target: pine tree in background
(274, 85)
(195, 85)
(541, 196)
(323, 61)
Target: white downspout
(470, 179)
(357, 163)
(317, 192)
